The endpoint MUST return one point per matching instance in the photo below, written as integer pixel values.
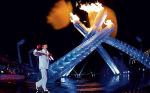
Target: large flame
(98, 19)
(96, 7)
(92, 10)
(59, 15)
(97, 11)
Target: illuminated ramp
(67, 62)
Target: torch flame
(96, 7)
(95, 13)
(108, 23)
(97, 16)
(74, 18)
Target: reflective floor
(125, 83)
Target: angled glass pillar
(129, 50)
(71, 59)
(82, 29)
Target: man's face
(45, 46)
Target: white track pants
(43, 81)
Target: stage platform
(124, 83)
(7, 78)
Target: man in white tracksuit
(44, 57)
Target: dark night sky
(26, 19)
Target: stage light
(2, 72)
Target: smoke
(59, 16)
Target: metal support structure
(19, 44)
(30, 57)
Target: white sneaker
(46, 91)
(38, 92)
